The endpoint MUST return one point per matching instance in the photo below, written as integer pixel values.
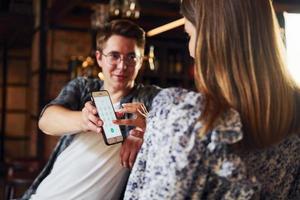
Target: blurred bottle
(151, 59)
(74, 66)
(191, 71)
(178, 64)
(171, 64)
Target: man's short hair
(121, 27)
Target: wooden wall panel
(16, 98)
(32, 132)
(33, 93)
(33, 89)
(1, 67)
(1, 81)
(15, 148)
(58, 81)
(20, 53)
(16, 138)
(35, 52)
(16, 124)
(18, 72)
(1, 100)
(67, 44)
(50, 143)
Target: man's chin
(121, 86)
(120, 79)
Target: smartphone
(111, 132)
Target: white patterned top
(176, 163)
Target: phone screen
(106, 112)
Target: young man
(83, 166)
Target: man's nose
(122, 64)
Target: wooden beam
(3, 106)
(10, 33)
(4, 5)
(42, 62)
(61, 8)
(7, 20)
(77, 22)
(285, 7)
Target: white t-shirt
(86, 169)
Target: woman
(238, 138)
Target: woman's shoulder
(176, 114)
(173, 139)
(178, 99)
(177, 95)
(175, 108)
(181, 106)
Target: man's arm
(58, 120)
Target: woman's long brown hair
(240, 64)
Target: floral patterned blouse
(176, 163)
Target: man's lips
(120, 76)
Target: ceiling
(16, 16)
(153, 12)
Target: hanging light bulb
(131, 9)
(100, 15)
(115, 8)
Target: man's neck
(116, 95)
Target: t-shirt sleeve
(70, 96)
(146, 94)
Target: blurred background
(45, 43)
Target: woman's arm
(134, 140)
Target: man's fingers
(90, 107)
(94, 119)
(91, 122)
(92, 127)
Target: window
(292, 33)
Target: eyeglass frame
(119, 59)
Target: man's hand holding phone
(111, 132)
(90, 118)
(103, 107)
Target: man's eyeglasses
(115, 58)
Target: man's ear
(98, 55)
(99, 58)
(141, 60)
